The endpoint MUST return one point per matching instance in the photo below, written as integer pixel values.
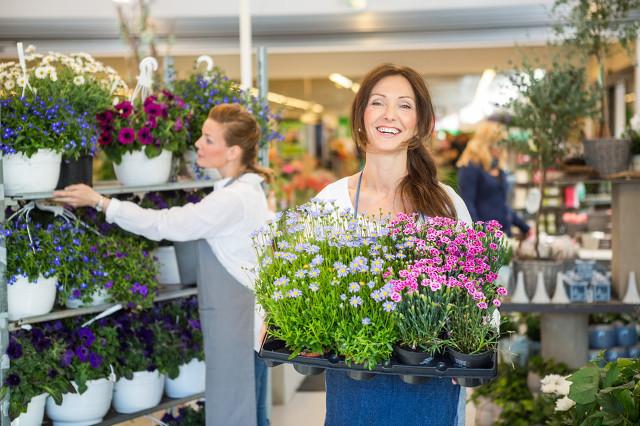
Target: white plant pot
(28, 299)
(100, 297)
(136, 169)
(23, 175)
(190, 381)
(142, 392)
(82, 409)
(635, 161)
(34, 414)
(168, 272)
(197, 172)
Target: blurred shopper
(482, 182)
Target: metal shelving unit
(571, 308)
(68, 313)
(105, 188)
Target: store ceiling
(446, 41)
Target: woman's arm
(210, 217)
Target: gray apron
(226, 313)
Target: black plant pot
(414, 380)
(481, 360)
(360, 375)
(410, 357)
(76, 171)
(307, 370)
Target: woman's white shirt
(225, 219)
(338, 191)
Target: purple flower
(75, 294)
(179, 125)
(14, 350)
(95, 360)
(124, 108)
(167, 94)
(151, 123)
(87, 336)
(194, 324)
(82, 353)
(67, 358)
(149, 100)
(12, 380)
(152, 109)
(105, 118)
(105, 138)
(108, 285)
(126, 136)
(144, 136)
(52, 374)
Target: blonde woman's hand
(79, 195)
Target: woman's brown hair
(241, 129)
(419, 189)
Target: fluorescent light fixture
(122, 1)
(355, 87)
(341, 80)
(358, 4)
(290, 102)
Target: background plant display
(203, 91)
(158, 123)
(598, 395)
(332, 283)
(77, 82)
(186, 416)
(25, 378)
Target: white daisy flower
(21, 81)
(9, 84)
(41, 72)
(78, 80)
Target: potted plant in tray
(140, 137)
(29, 383)
(83, 85)
(593, 27)
(548, 109)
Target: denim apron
(226, 314)
(386, 400)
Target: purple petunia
(67, 358)
(14, 350)
(87, 336)
(125, 108)
(95, 360)
(82, 353)
(126, 136)
(12, 380)
(144, 136)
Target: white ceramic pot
(197, 172)
(100, 297)
(189, 382)
(136, 169)
(34, 414)
(28, 299)
(142, 392)
(82, 409)
(168, 272)
(23, 175)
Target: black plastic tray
(274, 352)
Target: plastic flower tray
(274, 352)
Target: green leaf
(612, 376)
(585, 385)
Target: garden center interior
(543, 97)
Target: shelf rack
(105, 188)
(571, 308)
(68, 313)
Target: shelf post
(4, 311)
(625, 234)
(565, 337)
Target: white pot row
(143, 391)
(40, 172)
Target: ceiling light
(341, 80)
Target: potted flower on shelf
(86, 364)
(594, 28)
(139, 366)
(187, 416)
(35, 261)
(140, 137)
(29, 383)
(548, 109)
(204, 90)
(82, 85)
(182, 347)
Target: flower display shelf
(275, 353)
(572, 308)
(113, 418)
(173, 293)
(114, 188)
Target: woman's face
(212, 149)
(390, 116)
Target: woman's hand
(77, 196)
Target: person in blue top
(482, 182)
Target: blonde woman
(481, 179)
